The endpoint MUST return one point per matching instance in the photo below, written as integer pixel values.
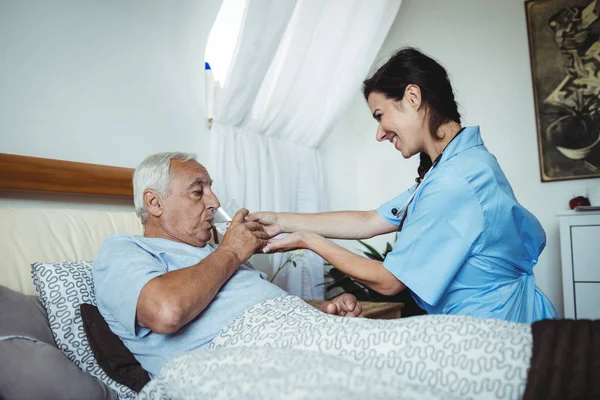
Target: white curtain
(297, 66)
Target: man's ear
(152, 200)
(412, 95)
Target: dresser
(580, 256)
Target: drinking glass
(223, 216)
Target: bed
(281, 348)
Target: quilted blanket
(284, 348)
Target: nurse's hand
(269, 221)
(345, 305)
(294, 241)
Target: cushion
(23, 315)
(110, 352)
(34, 368)
(62, 287)
(37, 370)
(54, 234)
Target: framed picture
(564, 46)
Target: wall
(483, 44)
(104, 82)
(111, 81)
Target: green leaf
(388, 248)
(339, 282)
(368, 246)
(372, 256)
(371, 253)
(336, 273)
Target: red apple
(578, 201)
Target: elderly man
(170, 291)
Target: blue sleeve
(443, 225)
(121, 269)
(385, 210)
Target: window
(220, 47)
(223, 38)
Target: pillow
(37, 370)
(34, 368)
(110, 352)
(62, 287)
(23, 315)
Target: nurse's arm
(335, 224)
(369, 272)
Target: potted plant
(575, 129)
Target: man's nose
(212, 201)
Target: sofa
(31, 364)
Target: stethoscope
(397, 213)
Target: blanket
(284, 348)
(263, 373)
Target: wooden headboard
(24, 173)
(57, 176)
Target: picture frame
(564, 49)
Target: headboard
(57, 176)
(51, 235)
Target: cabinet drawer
(586, 253)
(587, 300)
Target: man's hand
(345, 305)
(293, 241)
(269, 221)
(243, 238)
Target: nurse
(464, 244)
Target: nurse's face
(400, 122)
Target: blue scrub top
(467, 246)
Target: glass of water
(223, 216)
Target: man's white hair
(153, 173)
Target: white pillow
(62, 287)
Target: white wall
(106, 82)
(483, 44)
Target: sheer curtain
(296, 67)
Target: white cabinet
(580, 255)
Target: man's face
(189, 207)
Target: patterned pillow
(62, 287)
